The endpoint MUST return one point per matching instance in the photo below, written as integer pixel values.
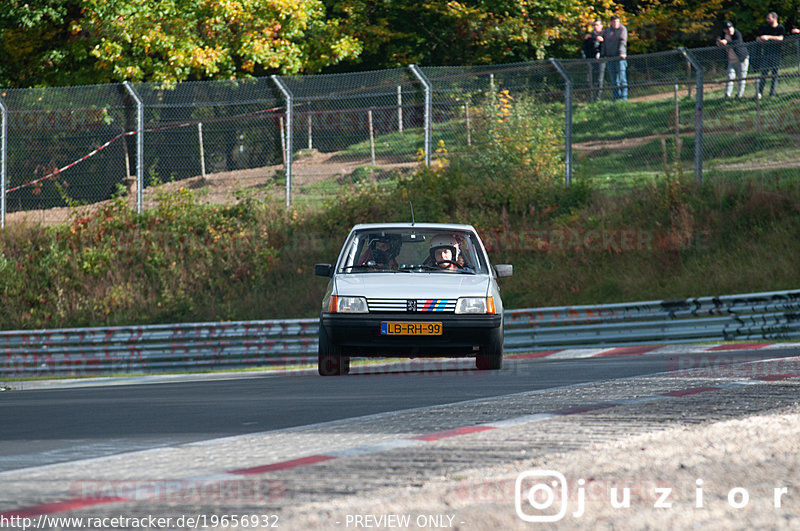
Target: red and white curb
(79, 503)
(641, 350)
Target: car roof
(421, 226)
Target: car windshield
(413, 250)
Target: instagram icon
(545, 494)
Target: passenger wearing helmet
(445, 252)
(382, 250)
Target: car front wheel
(331, 361)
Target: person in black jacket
(614, 45)
(738, 58)
(770, 38)
(591, 50)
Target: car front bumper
(462, 335)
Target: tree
(177, 40)
(72, 42)
(666, 24)
(449, 32)
(750, 15)
(37, 47)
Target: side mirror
(504, 270)
(323, 270)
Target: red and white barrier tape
(128, 133)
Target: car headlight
(482, 305)
(340, 304)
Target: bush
(178, 261)
(184, 261)
(513, 167)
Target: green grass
(187, 261)
(409, 141)
(731, 136)
(738, 137)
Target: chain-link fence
(62, 144)
(67, 146)
(196, 128)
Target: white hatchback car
(411, 290)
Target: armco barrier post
(567, 121)
(288, 134)
(139, 145)
(698, 115)
(3, 160)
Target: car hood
(412, 285)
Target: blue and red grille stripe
(432, 305)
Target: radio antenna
(412, 212)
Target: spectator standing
(591, 51)
(770, 39)
(738, 58)
(614, 45)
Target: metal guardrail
(158, 348)
(214, 346)
(754, 316)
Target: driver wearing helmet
(382, 250)
(445, 252)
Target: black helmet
(382, 256)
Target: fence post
(282, 131)
(288, 151)
(698, 115)
(371, 137)
(466, 118)
(3, 162)
(310, 131)
(139, 144)
(677, 115)
(567, 121)
(428, 110)
(202, 150)
(797, 49)
(758, 112)
(399, 109)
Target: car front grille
(412, 305)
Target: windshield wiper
(417, 267)
(428, 267)
(372, 267)
(354, 266)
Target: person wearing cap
(738, 58)
(614, 45)
(770, 38)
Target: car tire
(331, 361)
(490, 357)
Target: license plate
(389, 328)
